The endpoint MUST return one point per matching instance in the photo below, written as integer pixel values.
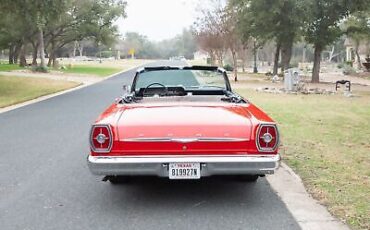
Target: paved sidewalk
(309, 214)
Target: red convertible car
(183, 123)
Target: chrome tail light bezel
(258, 134)
(110, 139)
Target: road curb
(308, 212)
(46, 97)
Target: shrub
(228, 67)
(269, 73)
(348, 70)
(105, 54)
(40, 69)
(350, 63)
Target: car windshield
(188, 79)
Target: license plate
(184, 171)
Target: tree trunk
(286, 52)
(80, 49)
(34, 55)
(35, 47)
(255, 50)
(359, 64)
(74, 49)
(55, 61)
(276, 59)
(54, 58)
(316, 65)
(304, 55)
(11, 54)
(42, 48)
(213, 57)
(235, 64)
(243, 64)
(50, 60)
(52, 54)
(242, 55)
(22, 56)
(220, 57)
(17, 50)
(331, 54)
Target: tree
(40, 12)
(49, 25)
(357, 28)
(14, 29)
(232, 38)
(137, 42)
(185, 43)
(321, 24)
(209, 30)
(266, 20)
(84, 19)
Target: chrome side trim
(184, 140)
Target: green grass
(326, 140)
(92, 70)
(15, 90)
(8, 67)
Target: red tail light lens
(101, 138)
(267, 138)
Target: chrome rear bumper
(158, 165)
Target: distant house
(363, 50)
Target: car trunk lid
(185, 129)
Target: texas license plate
(184, 171)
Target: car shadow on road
(192, 193)
(209, 203)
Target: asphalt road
(45, 182)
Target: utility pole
(255, 70)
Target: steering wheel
(156, 83)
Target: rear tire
(118, 179)
(248, 178)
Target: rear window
(184, 78)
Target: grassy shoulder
(84, 68)
(92, 70)
(326, 141)
(100, 71)
(15, 90)
(9, 67)
(104, 69)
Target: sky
(158, 19)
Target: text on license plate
(184, 170)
